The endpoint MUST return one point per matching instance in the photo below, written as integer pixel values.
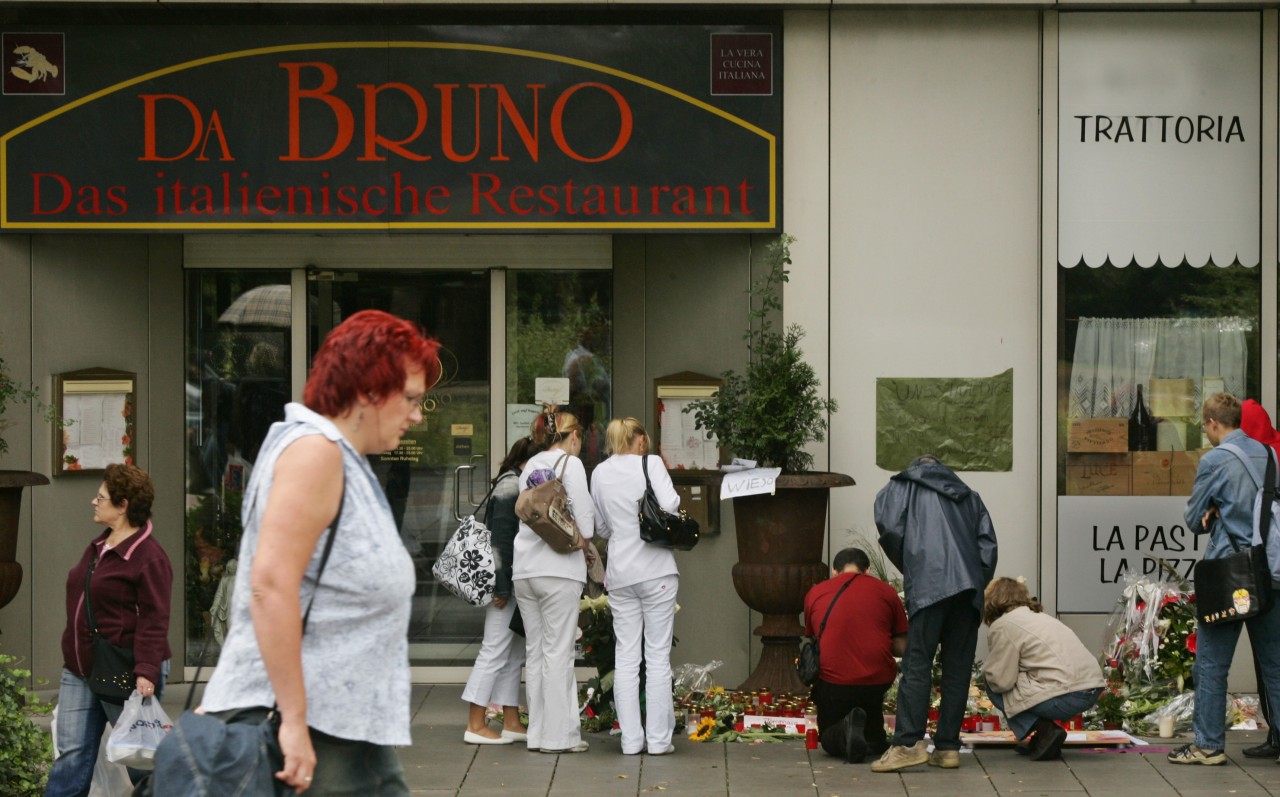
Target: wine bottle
(1142, 427)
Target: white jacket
(533, 557)
(617, 485)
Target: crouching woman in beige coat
(1037, 670)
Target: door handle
(457, 489)
(471, 483)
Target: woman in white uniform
(548, 586)
(642, 582)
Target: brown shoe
(947, 759)
(900, 757)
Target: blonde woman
(548, 586)
(1037, 670)
(642, 582)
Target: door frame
(496, 254)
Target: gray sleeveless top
(355, 655)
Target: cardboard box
(1098, 435)
(1151, 471)
(1182, 470)
(1173, 398)
(1098, 474)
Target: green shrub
(26, 750)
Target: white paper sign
(683, 445)
(551, 390)
(520, 421)
(1159, 138)
(756, 481)
(1103, 539)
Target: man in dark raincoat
(938, 533)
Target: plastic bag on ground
(694, 677)
(139, 731)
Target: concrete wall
(935, 145)
(92, 301)
(681, 305)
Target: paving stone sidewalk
(439, 764)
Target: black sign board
(591, 128)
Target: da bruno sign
(449, 129)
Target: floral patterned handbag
(468, 563)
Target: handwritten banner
(968, 423)
(755, 481)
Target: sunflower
(706, 726)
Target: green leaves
(26, 751)
(770, 413)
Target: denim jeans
(1062, 707)
(82, 717)
(1215, 646)
(952, 625)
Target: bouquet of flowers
(1151, 646)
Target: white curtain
(1114, 355)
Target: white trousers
(644, 612)
(495, 678)
(549, 606)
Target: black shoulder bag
(1238, 586)
(111, 677)
(205, 756)
(660, 527)
(809, 662)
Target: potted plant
(768, 414)
(12, 482)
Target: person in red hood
(1255, 422)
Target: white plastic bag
(138, 732)
(109, 780)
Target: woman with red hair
(342, 688)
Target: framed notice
(676, 437)
(97, 414)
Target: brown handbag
(548, 510)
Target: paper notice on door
(520, 421)
(551, 390)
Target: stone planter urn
(779, 558)
(11, 484)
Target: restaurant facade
(1012, 226)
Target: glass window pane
(421, 477)
(1173, 336)
(237, 364)
(560, 324)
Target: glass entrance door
(442, 460)
(502, 329)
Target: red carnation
(1191, 642)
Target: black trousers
(950, 626)
(835, 701)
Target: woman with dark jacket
(495, 678)
(129, 583)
